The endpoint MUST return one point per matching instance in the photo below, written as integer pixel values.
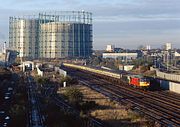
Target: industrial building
(59, 34)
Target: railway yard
(161, 106)
(107, 101)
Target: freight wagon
(134, 80)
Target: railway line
(149, 95)
(143, 102)
(36, 118)
(162, 108)
(126, 100)
(167, 97)
(173, 96)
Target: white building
(123, 56)
(168, 46)
(126, 67)
(110, 48)
(176, 54)
(148, 47)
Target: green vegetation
(5, 73)
(85, 106)
(18, 114)
(61, 117)
(108, 62)
(56, 117)
(73, 95)
(43, 80)
(76, 99)
(18, 110)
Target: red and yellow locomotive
(138, 81)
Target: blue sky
(124, 23)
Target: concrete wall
(167, 76)
(61, 72)
(172, 77)
(169, 82)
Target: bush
(87, 105)
(5, 73)
(41, 80)
(68, 80)
(73, 95)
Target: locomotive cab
(144, 82)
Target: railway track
(162, 108)
(35, 116)
(167, 94)
(146, 103)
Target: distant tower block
(110, 48)
(4, 47)
(148, 47)
(168, 46)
